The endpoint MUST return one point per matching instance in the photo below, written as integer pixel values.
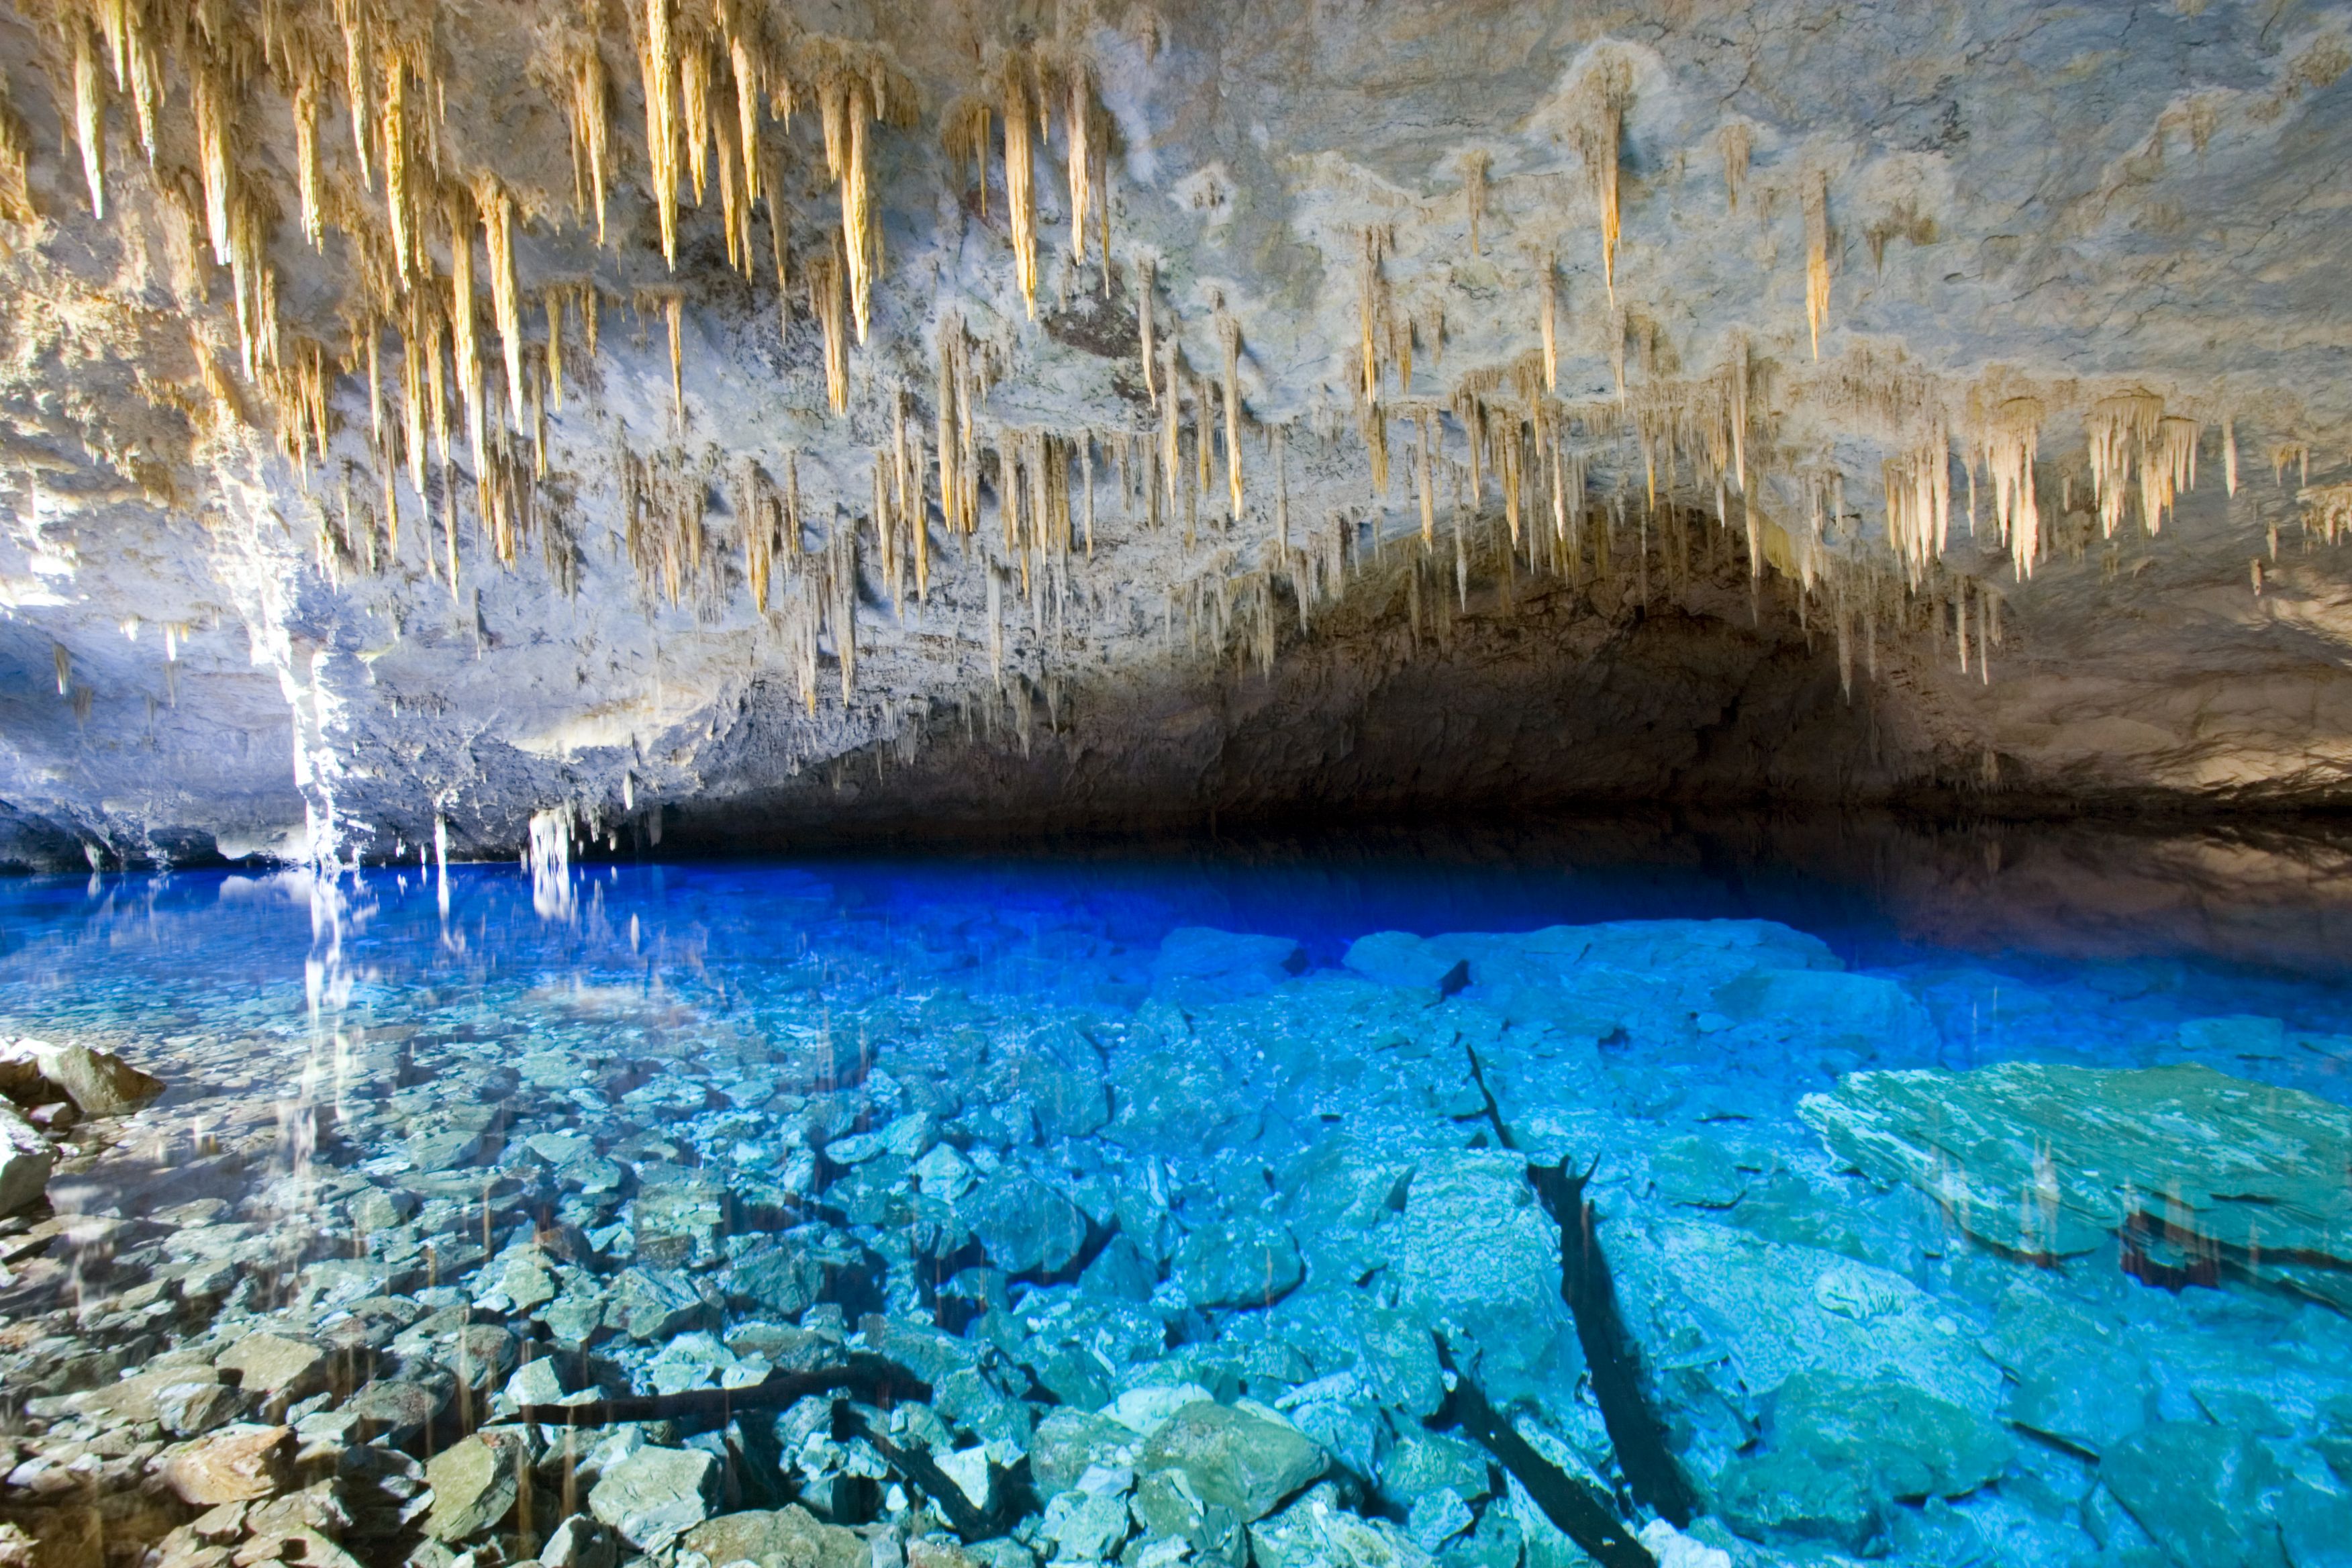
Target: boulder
(651, 1304)
(474, 1484)
(1399, 958)
(1314, 1532)
(654, 1495)
(26, 1161)
(578, 1542)
(1246, 1262)
(1856, 1012)
(2249, 1174)
(1838, 1452)
(99, 1083)
(236, 1464)
(1235, 1459)
(787, 1538)
(275, 1370)
(2199, 1491)
(1026, 1226)
(1199, 965)
(781, 1279)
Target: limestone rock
(236, 1464)
(99, 1083)
(654, 1495)
(2249, 1171)
(791, 1537)
(2200, 1490)
(1027, 1228)
(26, 1161)
(579, 1541)
(1838, 1452)
(274, 1370)
(1241, 1461)
(1314, 1532)
(1246, 1263)
(1400, 958)
(1197, 964)
(474, 1484)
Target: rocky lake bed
(628, 1231)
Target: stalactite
(466, 353)
(2010, 449)
(497, 206)
(89, 113)
(1738, 141)
(846, 99)
(2167, 466)
(406, 261)
(1428, 485)
(823, 275)
(1018, 197)
(551, 303)
(1080, 132)
(2120, 430)
(213, 110)
(1367, 314)
(1817, 256)
(694, 73)
(1548, 325)
(1170, 417)
(673, 307)
(1598, 134)
(2229, 454)
(1228, 335)
(1918, 504)
(1143, 277)
(658, 68)
(1474, 191)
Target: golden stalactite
(658, 72)
(824, 285)
(1817, 256)
(1019, 198)
(1229, 338)
(1080, 131)
(89, 111)
(1736, 142)
(1598, 134)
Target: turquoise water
(1206, 1193)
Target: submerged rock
(791, 1536)
(236, 1464)
(1837, 1452)
(654, 1495)
(2200, 1171)
(1233, 1458)
(26, 1161)
(99, 1083)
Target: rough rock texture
(2048, 1161)
(2003, 221)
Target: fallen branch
(873, 1379)
(1578, 1509)
(918, 1465)
(1609, 1354)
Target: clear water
(1021, 1127)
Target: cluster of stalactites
(2131, 431)
(1026, 88)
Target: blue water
(1075, 1024)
